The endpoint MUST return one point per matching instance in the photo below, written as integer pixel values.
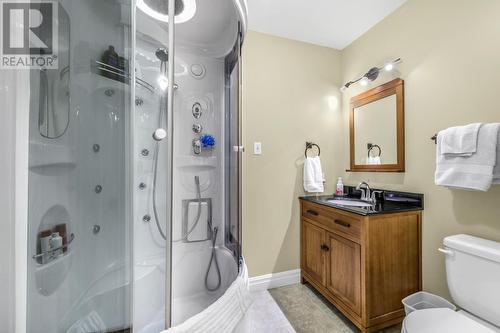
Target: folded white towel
(460, 140)
(313, 175)
(474, 172)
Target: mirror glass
(376, 129)
(376, 132)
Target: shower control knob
(142, 186)
(159, 134)
(146, 218)
(144, 152)
(197, 128)
(197, 110)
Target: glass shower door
(205, 193)
(79, 227)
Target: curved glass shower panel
(205, 241)
(78, 219)
(151, 234)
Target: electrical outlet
(257, 148)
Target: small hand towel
(313, 175)
(373, 160)
(460, 140)
(473, 172)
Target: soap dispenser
(340, 187)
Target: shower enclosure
(133, 173)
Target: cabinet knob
(325, 247)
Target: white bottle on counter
(340, 187)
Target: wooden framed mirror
(376, 129)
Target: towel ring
(370, 147)
(309, 145)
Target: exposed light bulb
(162, 82)
(389, 66)
(364, 81)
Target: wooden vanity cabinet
(364, 265)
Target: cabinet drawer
(333, 219)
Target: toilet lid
(441, 321)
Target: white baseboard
(274, 280)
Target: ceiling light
(388, 67)
(364, 81)
(185, 15)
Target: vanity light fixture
(389, 67)
(372, 74)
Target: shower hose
(213, 257)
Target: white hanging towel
(313, 175)
(223, 315)
(373, 160)
(496, 169)
(474, 172)
(460, 140)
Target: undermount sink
(352, 203)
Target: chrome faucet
(365, 191)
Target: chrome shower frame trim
(170, 165)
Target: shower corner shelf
(66, 246)
(117, 74)
(203, 162)
(50, 154)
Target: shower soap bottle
(45, 237)
(111, 58)
(56, 243)
(340, 187)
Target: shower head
(161, 6)
(162, 54)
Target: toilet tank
(473, 275)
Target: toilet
(473, 276)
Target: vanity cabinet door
(312, 251)
(344, 270)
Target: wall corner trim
(274, 280)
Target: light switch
(257, 148)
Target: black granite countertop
(388, 202)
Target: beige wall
(451, 68)
(290, 96)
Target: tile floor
(309, 312)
